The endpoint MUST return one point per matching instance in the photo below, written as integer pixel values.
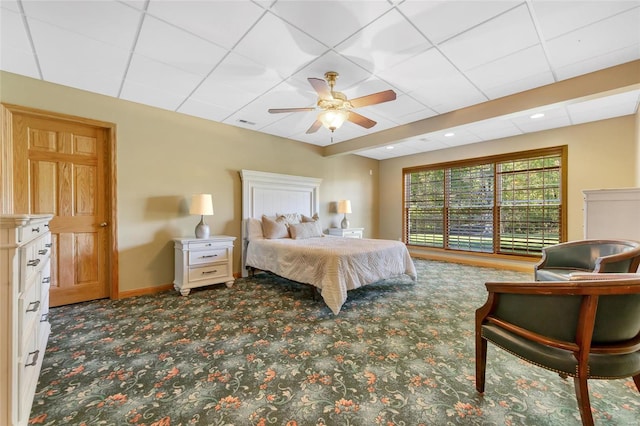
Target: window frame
(494, 160)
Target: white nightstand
(348, 232)
(203, 261)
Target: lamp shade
(201, 204)
(344, 206)
(332, 119)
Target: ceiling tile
(137, 92)
(107, 21)
(204, 110)
(609, 59)
(384, 43)
(613, 106)
(514, 73)
(494, 39)
(441, 20)
(597, 40)
(234, 83)
(77, 61)
(560, 17)
(496, 128)
(555, 116)
(160, 77)
(16, 55)
(344, 18)
(402, 110)
(173, 46)
(279, 46)
(220, 22)
(349, 78)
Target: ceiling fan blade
(321, 87)
(361, 120)
(314, 127)
(374, 98)
(279, 110)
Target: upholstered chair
(582, 328)
(559, 261)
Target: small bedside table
(348, 233)
(203, 261)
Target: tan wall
(163, 157)
(601, 155)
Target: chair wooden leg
(582, 394)
(636, 380)
(481, 362)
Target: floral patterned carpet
(266, 352)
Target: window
(509, 204)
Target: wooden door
(59, 167)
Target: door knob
(103, 224)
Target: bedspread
(332, 264)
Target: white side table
(203, 261)
(348, 232)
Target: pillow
(254, 229)
(300, 231)
(274, 229)
(305, 219)
(290, 218)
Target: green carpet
(265, 352)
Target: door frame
(7, 113)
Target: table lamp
(203, 205)
(344, 206)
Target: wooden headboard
(271, 193)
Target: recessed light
(390, 147)
(537, 115)
(450, 134)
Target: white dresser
(203, 261)
(25, 251)
(348, 232)
(612, 214)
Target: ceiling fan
(334, 106)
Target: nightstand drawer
(200, 257)
(209, 272)
(352, 234)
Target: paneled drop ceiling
(230, 61)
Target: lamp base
(345, 223)
(202, 229)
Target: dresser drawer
(29, 309)
(28, 372)
(199, 257)
(33, 257)
(209, 272)
(32, 231)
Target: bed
(333, 265)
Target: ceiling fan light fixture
(332, 119)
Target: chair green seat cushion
(556, 274)
(602, 366)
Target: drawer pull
(44, 317)
(46, 280)
(42, 252)
(35, 358)
(48, 245)
(210, 272)
(46, 225)
(208, 256)
(35, 229)
(33, 262)
(33, 306)
(208, 245)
